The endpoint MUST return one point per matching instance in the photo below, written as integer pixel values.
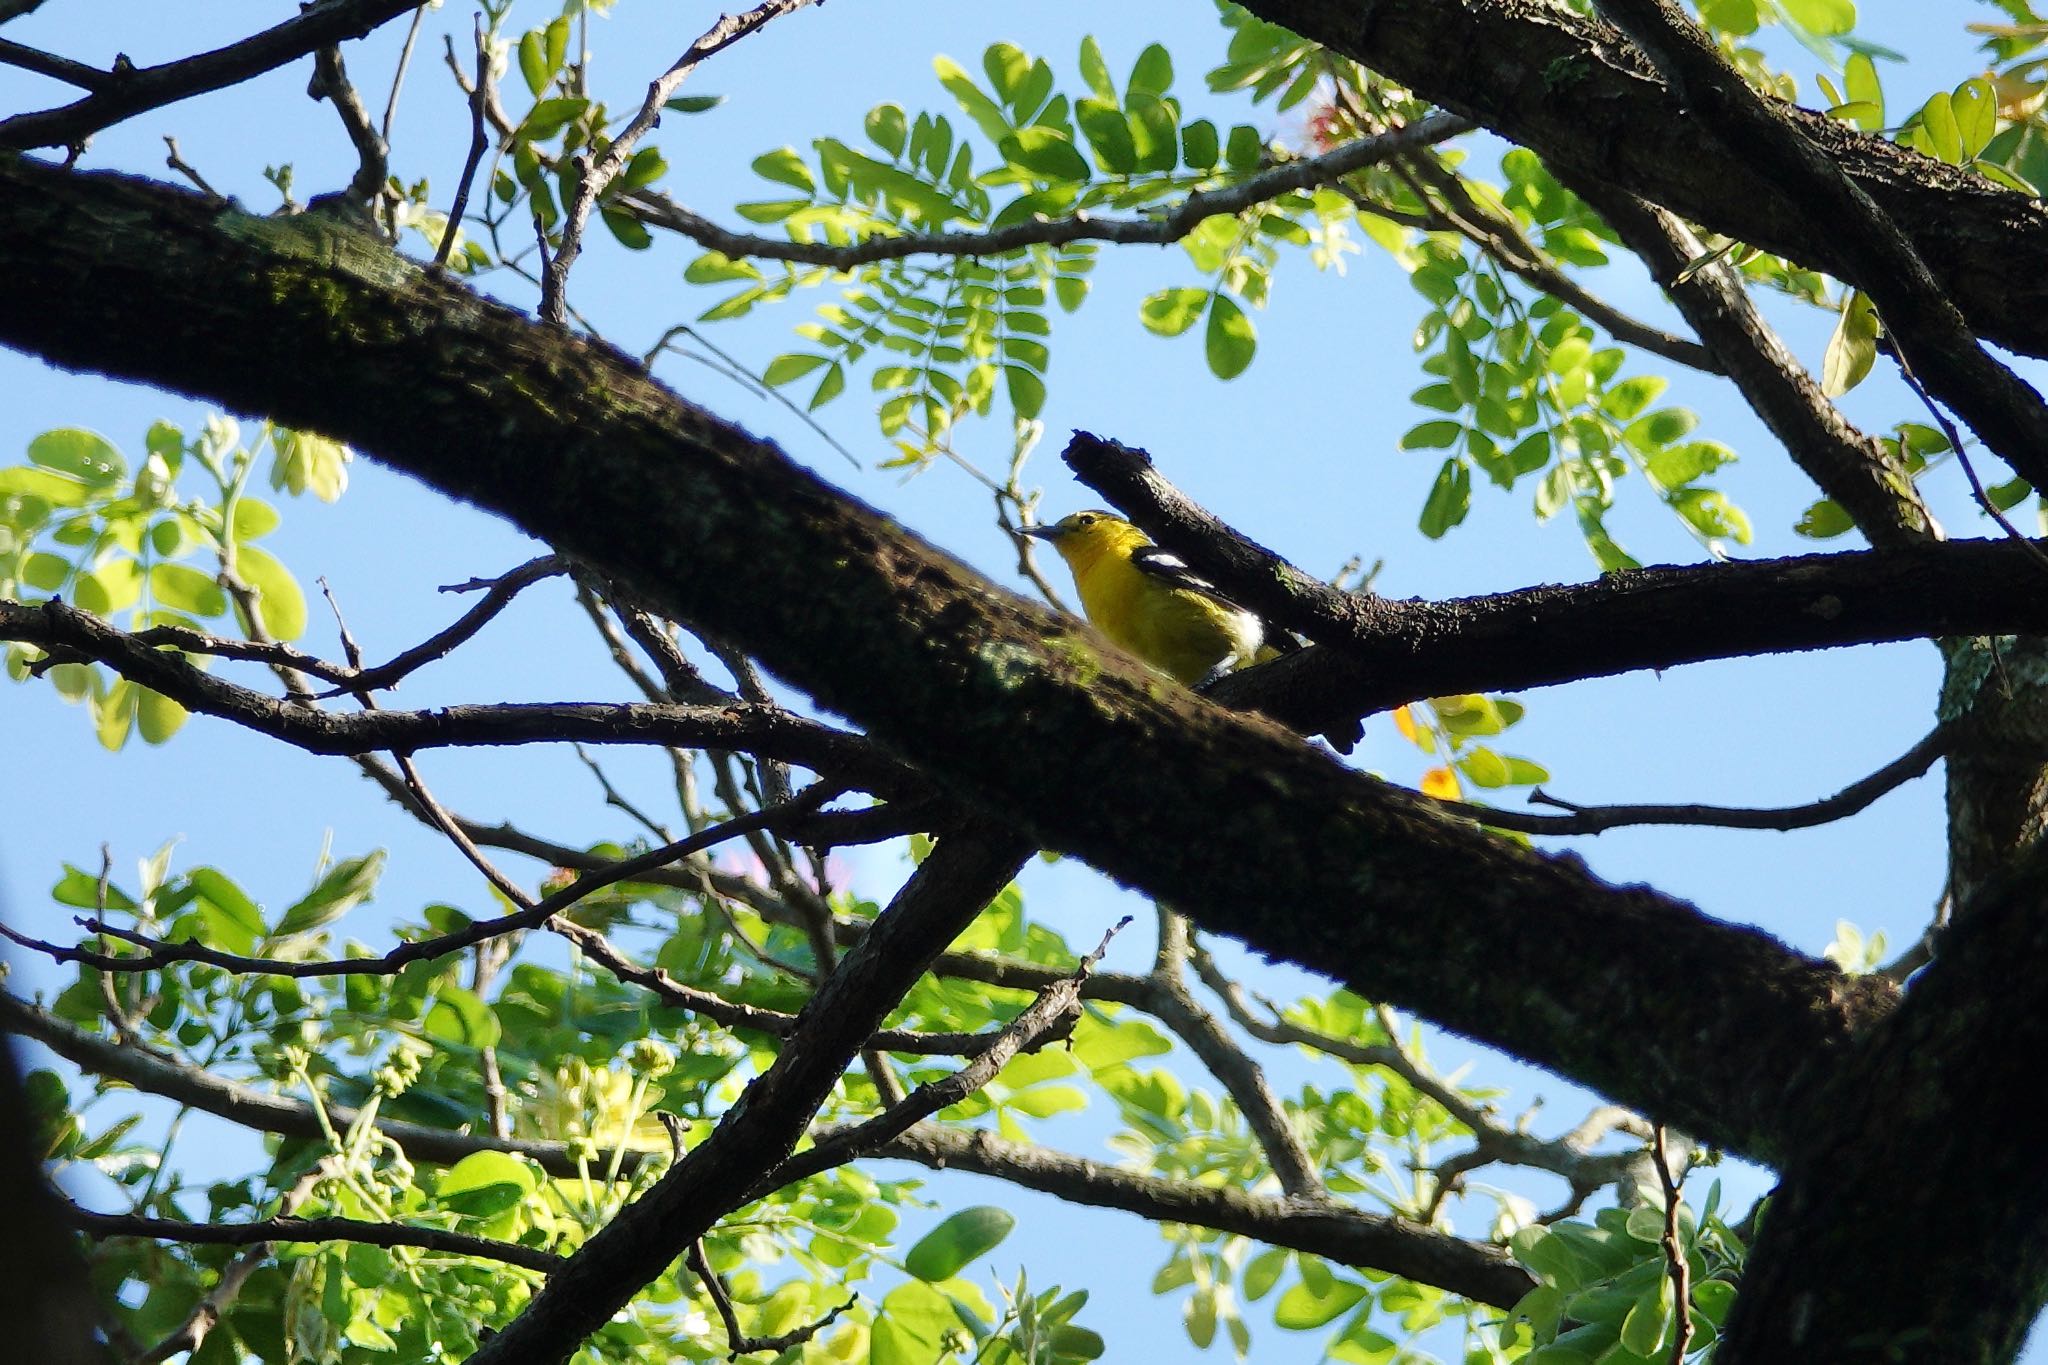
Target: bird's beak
(1041, 532)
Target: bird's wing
(1165, 564)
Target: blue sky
(1299, 452)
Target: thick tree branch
(1250, 833)
(1380, 652)
(1922, 321)
(55, 67)
(1573, 90)
(1888, 1149)
(131, 92)
(1474, 1270)
(1849, 466)
(1169, 1000)
(45, 1292)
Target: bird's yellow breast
(1181, 633)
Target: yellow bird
(1150, 602)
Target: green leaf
(184, 588)
(1485, 767)
(1975, 107)
(347, 884)
(693, 104)
(1048, 153)
(1109, 135)
(1436, 435)
(487, 1183)
(1822, 18)
(549, 117)
(45, 572)
(1244, 149)
(1199, 145)
(1198, 1315)
(1714, 1298)
(460, 1016)
(785, 167)
(887, 129)
(914, 1320)
(1303, 1309)
(254, 518)
(1450, 498)
(533, 62)
(1155, 133)
(157, 717)
(83, 455)
(1231, 338)
(1008, 68)
(1824, 521)
(1940, 136)
(81, 890)
(1852, 350)
(716, 268)
(627, 230)
(1026, 389)
(1860, 83)
(1263, 1271)
(1152, 74)
(114, 714)
(280, 603)
(987, 116)
(1642, 1331)
(1708, 511)
(1628, 398)
(218, 890)
(1172, 311)
(961, 1239)
(785, 368)
(1095, 71)
(829, 387)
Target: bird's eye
(1084, 520)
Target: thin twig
(1054, 1009)
(597, 177)
(1955, 443)
(315, 1230)
(1679, 1268)
(177, 162)
(1850, 800)
(330, 82)
(412, 34)
(439, 645)
(1169, 226)
(479, 98)
(739, 1343)
(158, 953)
(149, 87)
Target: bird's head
(1081, 536)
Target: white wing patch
(1166, 564)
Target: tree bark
(1012, 708)
(1574, 90)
